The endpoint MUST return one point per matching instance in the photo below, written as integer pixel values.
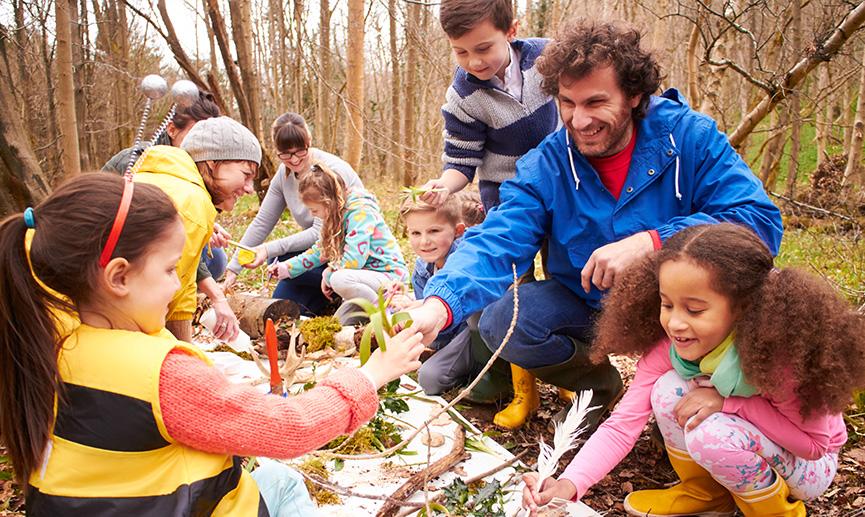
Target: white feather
(564, 438)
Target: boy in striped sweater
(495, 110)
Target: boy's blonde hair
(450, 210)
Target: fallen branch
(814, 208)
(417, 480)
(341, 490)
(452, 403)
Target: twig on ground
(457, 454)
(452, 403)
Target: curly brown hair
(790, 325)
(585, 45)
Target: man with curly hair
(626, 171)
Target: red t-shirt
(613, 170)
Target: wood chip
(432, 439)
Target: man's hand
(608, 261)
(429, 318)
(698, 403)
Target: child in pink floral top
(746, 371)
(361, 252)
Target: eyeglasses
(288, 156)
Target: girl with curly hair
(746, 368)
(361, 252)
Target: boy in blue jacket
(627, 171)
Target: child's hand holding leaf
(402, 356)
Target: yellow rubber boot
(697, 494)
(525, 402)
(566, 395)
(771, 501)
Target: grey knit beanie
(221, 138)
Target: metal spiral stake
(184, 93)
(154, 88)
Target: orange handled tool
(270, 344)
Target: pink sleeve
(782, 423)
(615, 438)
(202, 410)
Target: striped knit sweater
(487, 129)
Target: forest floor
(837, 254)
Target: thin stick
(340, 490)
(457, 454)
(462, 394)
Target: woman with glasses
(292, 141)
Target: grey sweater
(281, 194)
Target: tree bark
(693, 67)
(823, 121)
(241, 28)
(411, 79)
(218, 25)
(355, 82)
(853, 170)
(394, 161)
(78, 64)
(323, 113)
(298, 53)
(824, 51)
(22, 179)
(795, 103)
(774, 150)
(70, 160)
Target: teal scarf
(721, 365)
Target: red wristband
(656, 239)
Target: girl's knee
(667, 391)
(339, 280)
(718, 432)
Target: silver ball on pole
(184, 92)
(153, 86)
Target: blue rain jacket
(683, 172)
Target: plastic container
(245, 256)
(242, 343)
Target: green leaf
(400, 318)
(338, 464)
(364, 304)
(365, 343)
(375, 321)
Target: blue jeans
(549, 314)
(217, 263)
(283, 490)
(304, 290)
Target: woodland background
(783, 78)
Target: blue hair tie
(29, 218)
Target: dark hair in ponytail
(72, 225)
(791, 327)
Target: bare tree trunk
(693, 70)
(70, 160)
(853, 170)
(281, 60)
(80, 96)
(355, 81)
(411, 80)
(774, 149)
(218, 25)
(298, 49)
(322, 114)
(21, 51)
(795, 103)
(22, 179)
(825, 50)
(241, 28)
(53, 130)
(394, 162)
(823, 121)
